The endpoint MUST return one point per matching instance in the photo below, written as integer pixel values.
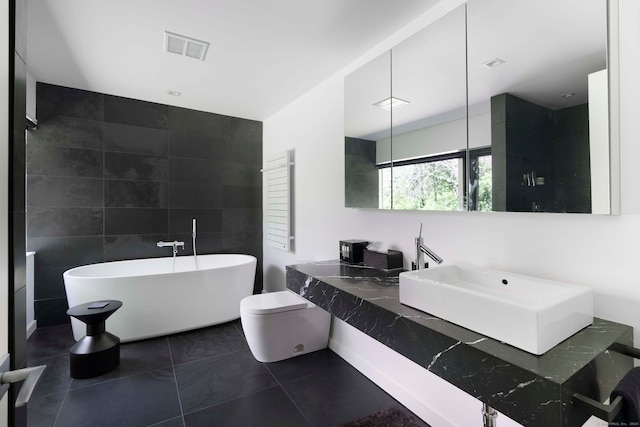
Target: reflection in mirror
(538, 105)
(429, 132)
(365, 124)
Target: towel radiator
(279, 211)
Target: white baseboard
(428, 396)
(31, 328)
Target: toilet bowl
(281, 325)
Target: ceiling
(549, 47)
(263, 54)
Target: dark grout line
(287, 394)
(175, 378)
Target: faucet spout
(421, 249)
(434, 256)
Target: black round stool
(99, 351)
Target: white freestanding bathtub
(158, 300)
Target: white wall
(597, 251)
(442, 138)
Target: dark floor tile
(135, 357)
(336, 396)
(214, 380)
(307, 364)
(50, 341)
(174, 422)
(265, 408)
(55, 378)
(43, 411)
(206, 342)
(139, 400)
(238, 325)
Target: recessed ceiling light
(186, 46)
(391, 103)
(174, 92)
(493, 63)
(567, 95)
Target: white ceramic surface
(281, 325)
(526, 312)
(158, 301)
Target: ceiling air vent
(186, 46)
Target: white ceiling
(550, 46)
(263, 54)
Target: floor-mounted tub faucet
(421, 249)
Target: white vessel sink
(530, 313)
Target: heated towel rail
(278, 183)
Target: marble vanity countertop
(533, 390)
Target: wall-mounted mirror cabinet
(365, 89)
(499, 105)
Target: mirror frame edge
(613, 65)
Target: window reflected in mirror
(499, 105)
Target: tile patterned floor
(205, 377)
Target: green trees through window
(435, 184)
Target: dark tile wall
(554, 144)
(573, 165)
(108, 177)
(361, 173)
(523, 144)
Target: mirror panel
(538, 102)
(525, 79)
(429, 131)
(368, 135)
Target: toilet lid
(272, 302)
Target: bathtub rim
(246, 259)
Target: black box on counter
(351, 251)
(387, 261)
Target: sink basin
(526, 312)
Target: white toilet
(281, 325)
